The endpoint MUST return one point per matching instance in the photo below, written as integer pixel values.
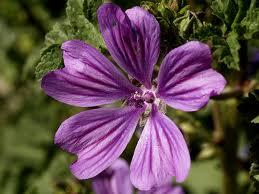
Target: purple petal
(114, 180)
(132, 39)
(88, 79)
(186, 80)
(98, 137)
(165, 189)
(161, 153)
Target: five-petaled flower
(116, 180)
(185, 81)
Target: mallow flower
(253, 62)
(98, 136)
(116, 180)
(113, 180)
(164, 189)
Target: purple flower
(164, 189)
(253, 64)
(185, 81)
(255, 55)
(115, 180)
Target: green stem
(229, 159)
(226, 136)
(230, 129)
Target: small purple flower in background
(255, 56)
(164, 189)
(253, 61)
(116, 180)
(185, 81)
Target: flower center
(149, 97)
(137, 99)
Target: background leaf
(234, 46)
(51, 59)
(76, 26)
(250, 22)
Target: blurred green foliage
(31, 33)
(29, 161)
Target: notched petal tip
(132, 38)
(219, 85)
(186, 80)
(72, 44)
(105, 9)
(199, 45)
(106, 5)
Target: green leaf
(83, 28)
(90, 9)
(208, 32)
(234, 46)
(185, 23)
(256, 119)
(59, 33)
(226, 10)
(188, 24)
(217, 7)
(251, 21)
(65, 31)
(76, 26)
(231, 13)
(51, 59)
(226, 51)
(243, 6)
(166, 14)
(254, 174)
